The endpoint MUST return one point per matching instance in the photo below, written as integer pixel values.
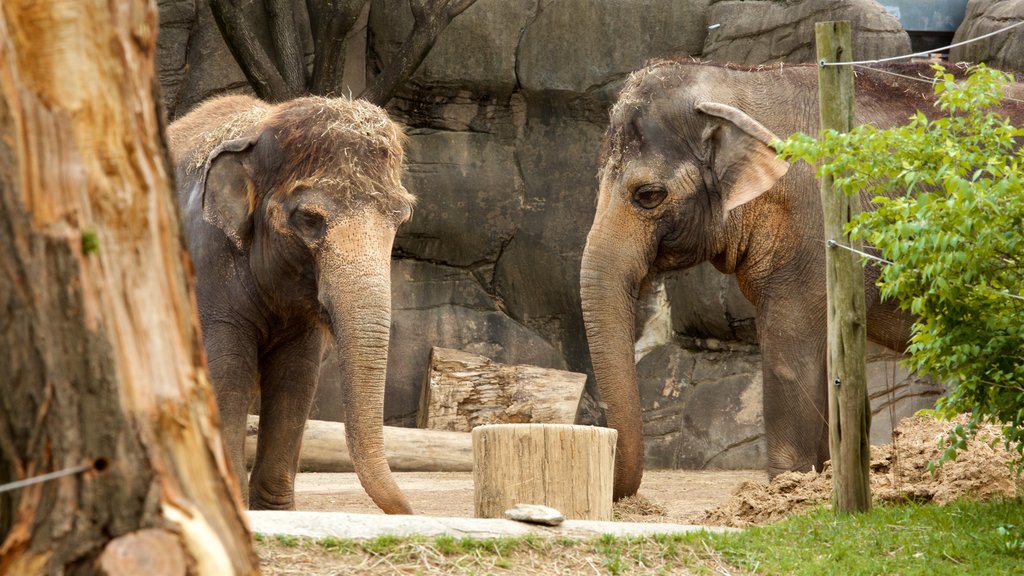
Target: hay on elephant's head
(349, 146)
(236, 125)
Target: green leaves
(948, 198)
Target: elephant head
(309, 197)
(677, 168)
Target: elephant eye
(309, 223)
(649, 196)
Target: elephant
(289, 212)
(688, 174)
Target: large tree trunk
(101, 365)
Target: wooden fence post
(848, 409)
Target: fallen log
(464, 390)
(324, 448)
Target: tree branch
(286, 42)
(431, 18)
(458, 7)
(335, 19)
(256, 64)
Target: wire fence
(98, 465)
(864, 65)
(834, 244)
(926, 52)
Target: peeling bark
(101, 363)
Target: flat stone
(535, 514)
(366, 526)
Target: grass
(959, 538)
(908, 539)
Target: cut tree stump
(324, 448)
(569, 468)
(464, 390)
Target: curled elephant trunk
(355, 290)
(610, 277)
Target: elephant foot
(774, 471)
(266, 502)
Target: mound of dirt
(898, 472)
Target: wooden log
(464, 390)
(324, 448)
(569, 468)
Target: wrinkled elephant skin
(688, 175)
(289, 213)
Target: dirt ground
(727, 497)
(682, 496)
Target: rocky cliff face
(1004, 51)
(762, 31)
(505, 119)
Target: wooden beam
(849, 408)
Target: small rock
(535, 514)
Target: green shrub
(949, 216)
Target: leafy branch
(948, 198)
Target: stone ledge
(364, 526)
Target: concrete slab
(365, 526)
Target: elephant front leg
(233, 372)
(288, 382)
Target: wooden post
(849, 412)
(569, 468)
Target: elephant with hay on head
(290, 213)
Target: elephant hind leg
(288, 382)
(795, 403)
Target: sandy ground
(683, 496)
(899, 471)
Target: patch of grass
(340, 545)
(384, 545)
(287, 540)
(908, 539)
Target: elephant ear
(744, 160)
(228, 191)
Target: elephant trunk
(610, 278)
(355, 290)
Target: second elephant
(689, 175)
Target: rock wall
(1004, 51)
(505, 118)
(756, 32)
